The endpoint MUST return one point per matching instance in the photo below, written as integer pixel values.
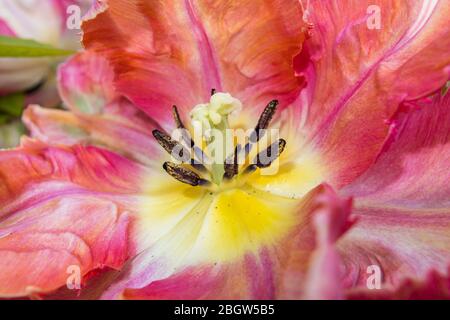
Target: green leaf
(25, 48)
(11, 106)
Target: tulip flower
(94, 205)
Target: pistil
(211, 120)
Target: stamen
(184, 175)
(263, 124)
(250, 169)
(177, 117)
(270, 154)
(278, 146)
(168, 144)
(231, 164)
(221, 104)
(232, 168)
(264, 121)
(199, 155)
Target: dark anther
(184, 175)
(250, 169)
(185, 134)
(169, 144)
(266, 157)
(213, 91)
(196, 157)
(264, 121)
(177, 118)
(231, 165)
(199, 156)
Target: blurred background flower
(28, 68)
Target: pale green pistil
(211, 121)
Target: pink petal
(99, 116)
(63, 207)
(330, 222)
(250, 278)
(86, 83)
(175, 52)
(402, 200)
(358, 76)
(84, 232)
(412, 168)
(126, 130)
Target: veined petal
(73, 234)
(86, 166)
(402, 201)
(175, 52)
(359, 73)
(63, 208)
(117, 132)
(250, 278)
(412, 169)
(179, 229)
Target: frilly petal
(402, 200)
(63, 208)
(359, 74)
(175, 52)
